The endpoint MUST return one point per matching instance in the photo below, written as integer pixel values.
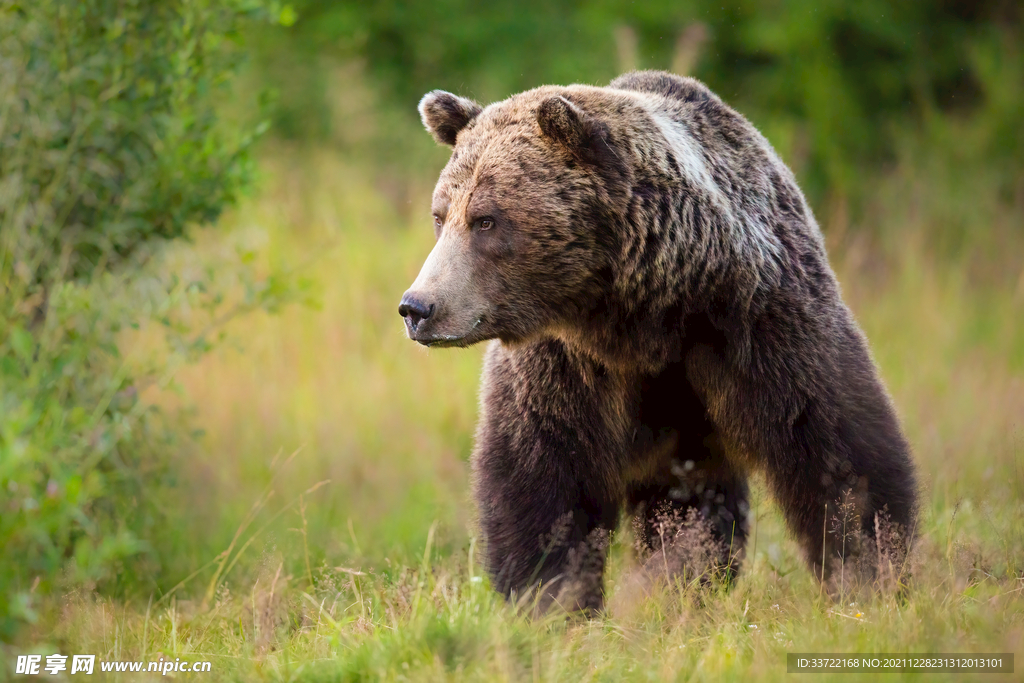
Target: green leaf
(22, 343)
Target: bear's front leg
(547, 472)
(810, 411)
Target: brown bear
(664, 322)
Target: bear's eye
(486, 223)
(437, 222)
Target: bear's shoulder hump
(682, 88)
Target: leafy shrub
(110, 144)
(76, 448)
(109, 133)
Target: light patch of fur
(688, 154)
(764, 246)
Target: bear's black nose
(414, 310)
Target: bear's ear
(445, 114)
(565, 123)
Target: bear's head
(523, 215)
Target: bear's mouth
(445, 341)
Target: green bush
(110, 144)
(76, 448)
(109, 135)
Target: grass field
(326, 511)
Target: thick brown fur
(665, 321)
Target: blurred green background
(841, 89)
(215, 438)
